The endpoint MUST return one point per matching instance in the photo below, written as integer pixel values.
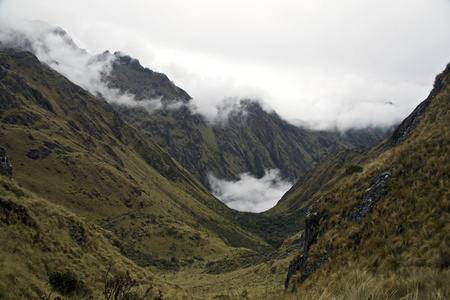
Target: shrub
(67, 284)
(353, 169)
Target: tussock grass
(38, 239)
(354, 284)
(401, 248)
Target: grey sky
(327, 63)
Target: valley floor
(263, 281)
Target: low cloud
(55, 48)
(249, 193)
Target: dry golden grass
(38, 238)
(408, 284)
(401, 248)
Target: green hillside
(75, 150)
(47, 250)
(96, 186)
(382, 230)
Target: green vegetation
(353, 169)
(67, 284)
(90, 191)
(41, 254)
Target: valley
(102, 188)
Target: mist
(248, 193)
(54, 47)
(320, 64)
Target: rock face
(370, 197)
(5, 165)
(309, 236)
(316, 223)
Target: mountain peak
(128, 75)
(405, 129)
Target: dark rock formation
(13, 213)
(300, 264)
(5, 165)
(3, 71)
(370, 197)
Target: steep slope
(129, 75)
(383, 232)
(75, 150)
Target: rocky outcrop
(370, 197)
(304, 265)
(5, 165)
(300, 265)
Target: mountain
(246, 137)
(73, 153)
(75, 150)
(95, 184)
(378, 226)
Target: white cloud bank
(55, 48)
(327, 63)
(249, 193)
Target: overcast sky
(328, 63)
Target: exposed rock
(44, 103)
(3, 71)
(33, 154)
(77, 233)
(12, 213)
(370, 197)
(300, 263)
(5, 165)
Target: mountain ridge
(367, 215)
(390, 219)
(75, 149)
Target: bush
(67, 284)
(353, 169)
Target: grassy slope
(107, 174)
(74, 150)
(39, 238)
(401, 248)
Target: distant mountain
(247, 138)
(130, 76)
(127, 180)
(378, 225)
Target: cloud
(249, 193)
(55, 48)
(323, 63)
